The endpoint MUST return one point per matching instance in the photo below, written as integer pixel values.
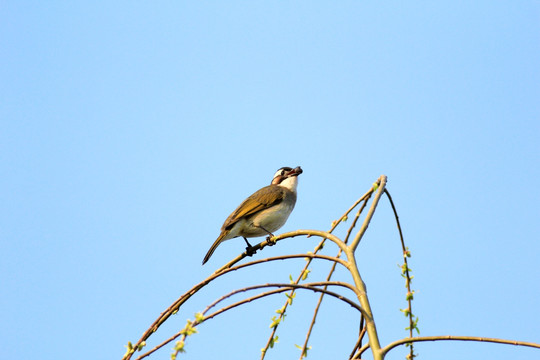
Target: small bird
(262, 213)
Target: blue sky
(131, 130)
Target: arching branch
(182, 299)
(390, 346)
(283, 236)
(280, 288)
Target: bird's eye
(282, 172)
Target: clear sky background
(130, 131)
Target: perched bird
(263, 212)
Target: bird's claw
(271, 240)
(250, 250)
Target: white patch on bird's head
(287, 177)
(280, 175)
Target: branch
(309, 256)
(361, 351)
(390, 346)
(314, 286)
(359, 341)
(281, 288)
(362, 297)
(405, 272)
(290, 234)
(318, 306)
(381, 184)
(182, 299)
(364, 198)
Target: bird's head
(287, 177)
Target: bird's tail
(219, 240)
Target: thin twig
(361, 351)
(317, 307)
(371, 328)
(360, 337)
(381, 184)
(309, 286)
(407, 274)
(335, 223)
(390, 346)
(182, 299)
(275, 239)
(309, 256)
(281, 288)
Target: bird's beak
(295, 172)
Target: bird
(262, 213)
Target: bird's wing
(262, 199)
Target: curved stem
(405, 273)
(182, 299)
(314, 286)
(280, 288)
(361, 351)
(390, 346)
(283, 236)
(364, 198)
(359, 342)
(311, 256)
(381, 182)
(329, 277)
(371, 329)
(319, 233)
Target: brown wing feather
(262, 199)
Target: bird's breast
(271, 219)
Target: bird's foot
(250, 250)
(271, 239)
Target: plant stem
(362, 294)
(390, 346)
(364, 302)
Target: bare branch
(359, 283)
(284, 236)
(315, 286)
(182, 299)
(318, 306)
(359, 341)
(361, 351)
(407, 274)
(381, 183)
(390, 346)
(310, 256)
(364, 198)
